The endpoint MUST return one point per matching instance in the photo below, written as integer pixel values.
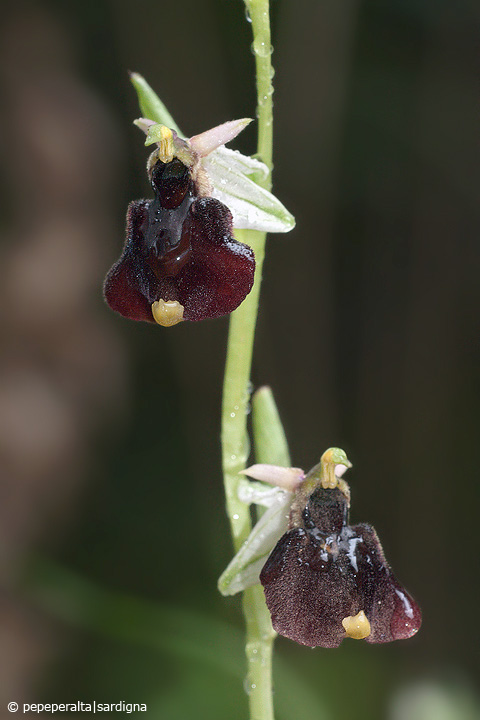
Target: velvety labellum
(179, 247)
(325, 571)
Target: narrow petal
(212, 139)
(287, 478)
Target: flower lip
(167, 245)
(179, 249)
(323, 579)
(326, 580)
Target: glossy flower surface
(180, 260)
(326, 580)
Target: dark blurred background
(112, 529)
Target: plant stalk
(236, 391)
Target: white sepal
(245, 568)
(257, 493)
(252, 206)
(243, 164)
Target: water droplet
(260, 48)
(236, 516)
(253, 652)
(233, 457)
(232, 415)
(248, 686)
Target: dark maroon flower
(180, 260)
(180, 251)
(326, 580)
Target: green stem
(260, 16)
(236, 392)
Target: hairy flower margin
(180, 260)
(324, 580)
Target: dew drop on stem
(261, 48)
(248, 686)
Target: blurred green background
(112, 529)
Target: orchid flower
(324, 580)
